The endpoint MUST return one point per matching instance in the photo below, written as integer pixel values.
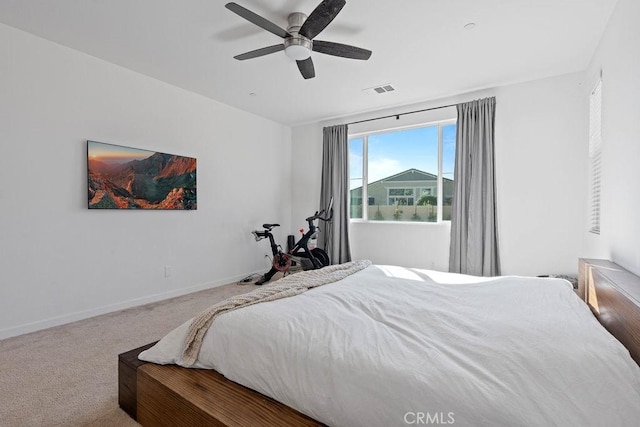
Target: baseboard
(85, 314)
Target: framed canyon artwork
(129, 178)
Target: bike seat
(270, 226)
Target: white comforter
(390, 346)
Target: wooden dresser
(613, 294)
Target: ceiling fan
(298, 37)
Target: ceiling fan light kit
(298, 37)
(298, 51)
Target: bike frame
(300, 250)
(303, 244)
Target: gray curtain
(474, 234)
(334, 235)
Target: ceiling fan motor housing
(296, 19)
(297, 47)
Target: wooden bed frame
(613, 294)
(169, 395)
(157, 395)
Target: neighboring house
(406, 188)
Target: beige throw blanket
(286, 287)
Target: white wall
(541, 152)
(59, 261)
(618, 56)
(540, 161)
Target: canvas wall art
(130, 178)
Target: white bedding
(390, 346)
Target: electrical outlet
(168, 271)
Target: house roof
(410, 175)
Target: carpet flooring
(68, 375)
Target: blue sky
(394, 152)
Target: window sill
(421, 223)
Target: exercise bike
(309, 259)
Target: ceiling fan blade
(321, 16)
(257, 20)
(341, 50)
(306, 68)
(260, 52)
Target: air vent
(380, 89)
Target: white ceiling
(419, 46)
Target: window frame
(365, 170)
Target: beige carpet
(68, 375)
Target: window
(400, 196)
(595, 155)
(404, 174)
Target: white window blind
(595, 156)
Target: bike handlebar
(259, 235)
(318, 215)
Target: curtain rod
(397, 116)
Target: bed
(396, 346)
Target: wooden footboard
(128, 365)
(175, 396)
(157, 395)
